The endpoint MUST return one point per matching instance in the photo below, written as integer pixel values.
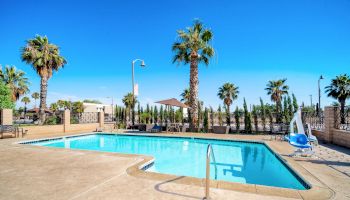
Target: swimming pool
(236, 161)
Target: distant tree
(156, 114)
(290, 108)
(25, 100)
(340, 89)
(263, 114)
(5, 97)
(92, 101)
(220, 116)
(35, 96)
(212, 116)
(138, 112)
(200, 113)
(228, 93)
(286, 114)
(161, 114)
(247, 118)
(237, 117)
(276, 89)
(185, 96)
(193, 46)
(78, 107)
(295, 104)
(255, 114)
(206, 121)
(54, 107)
(269, 113)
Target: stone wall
(330, 134)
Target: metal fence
(108, 117)
(84, 118)
(316, 120)
(342, 118)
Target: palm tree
(35, 96)
(340, 89)
(54, 107)
(15, 80)
(45, 58)
(128, 102)
(277, 89)
(228, 92)
(185, 96)
(193, 46)
(25, 100)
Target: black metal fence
(342, 118)
(84, 118)
(315, 119)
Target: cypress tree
(237, 117)
(212, 116)
(290, 108)
(206, 121)
(247, 118)
(295, 104)
(255, 117)
(155, 114)
(263, 114)
(220, 115)
(138, 112)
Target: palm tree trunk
(228, 116)
(193, 91)
(342, 111)
(43, 94)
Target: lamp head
(321, 77)
(143, 63)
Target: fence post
(66, 120)
(329, 119)
(6, 117)
(101, 119)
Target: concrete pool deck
(32, 172)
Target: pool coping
(317, 190)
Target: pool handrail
(210, 153)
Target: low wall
(41, 130)
(339, 137)
(82, 127)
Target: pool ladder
(210, 154)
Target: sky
(255, 41)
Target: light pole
(112, 107)
(319, 95)
(133, 88)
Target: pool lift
(300, 139)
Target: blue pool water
(241, 162)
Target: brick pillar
(66, 120)
(328, 123)
(101, 119)
(6, 117)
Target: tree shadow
(158, 188)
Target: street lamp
(319, 94)
(133, 88)
(112, 107)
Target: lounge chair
(9, 129)
(156, 129)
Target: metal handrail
(210, 152)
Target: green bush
(52, 120)
(5, 97)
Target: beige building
(93, 107)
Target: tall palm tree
(25, 100)
(193, 46)
(276, 89)
(45, 58)
(340, 89)
(228, 92)
(185, 96)
(15, 80)
(35, 96)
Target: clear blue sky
(255, 41)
